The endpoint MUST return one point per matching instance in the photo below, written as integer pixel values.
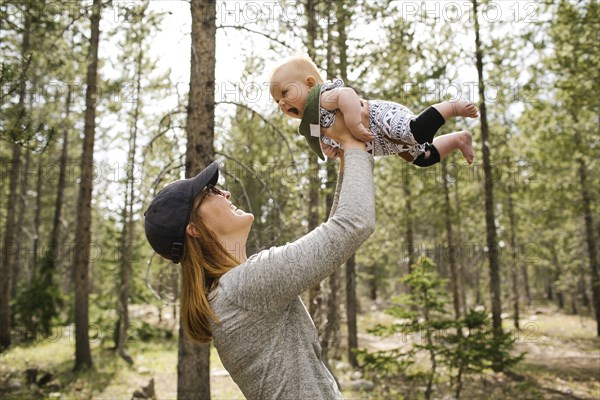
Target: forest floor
(562, 362)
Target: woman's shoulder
(244, 271)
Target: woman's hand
(346, 139)
(330, 151)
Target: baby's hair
(303, 63)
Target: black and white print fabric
(388, 121)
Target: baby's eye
(284, 93)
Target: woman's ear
(311, 81)
(192, 231)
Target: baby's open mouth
(293, 110)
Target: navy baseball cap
(169, 212)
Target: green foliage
(38, 302)
(546, 74)
(148, 333)
(464, 345)
(386, 362)
(421, 312)
(471, 347)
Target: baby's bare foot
(466, 146)
(464, 108)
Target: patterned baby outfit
(388, 121)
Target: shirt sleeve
(270, 279)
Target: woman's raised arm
(271, 278)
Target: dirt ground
(562, 362)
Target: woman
(251, 306)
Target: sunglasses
(210, 190)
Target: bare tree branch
(166, 170)
(248, 203)
(266, 121)
(243, 28)
(258, 178)
(167, 129)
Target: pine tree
(491, 234)
(9, 248)
(193, 367)
(83, 355)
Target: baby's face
(289, 93)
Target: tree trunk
(9, 251)
(38, 215)
(560, 300)
(555, 273)
(55, 237)
(461, 260)
(410, 241)
(351, 310)
(432, 355)
(450, 240)
(582, 289)
(343, 17)
(494, 265)
(127, 247)
(373, 288)
(193, 367)
(525, 273)
(314, 301)
(329, 338)
(549, 290)
(515, 258)
(478, 284)
(20, 265)
(586, 205)
(10, 246)
(314, 293)
(83, 234)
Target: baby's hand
(361, 133)
(330, 151)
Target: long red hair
(203, 263)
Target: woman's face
(223, 218)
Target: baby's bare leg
(463, 140)
(456, 108)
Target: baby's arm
(347, 101)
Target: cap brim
(208, 176)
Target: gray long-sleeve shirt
(266, 338)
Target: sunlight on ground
(563, 361)
(111, 378)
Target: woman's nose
(227, 194)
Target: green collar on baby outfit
(309, 125)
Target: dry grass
(562, 362)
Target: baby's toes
(472, 110)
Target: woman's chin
(245, 215)
(241, 213)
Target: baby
(299, 90)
